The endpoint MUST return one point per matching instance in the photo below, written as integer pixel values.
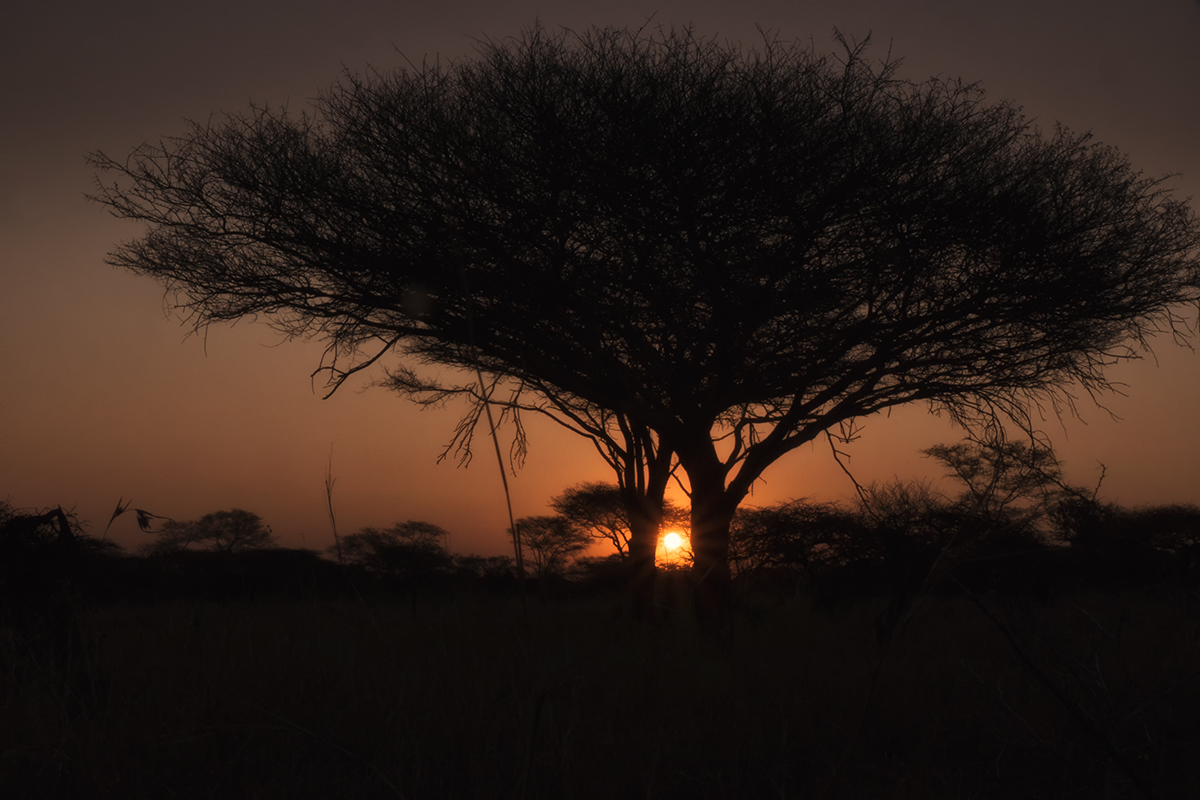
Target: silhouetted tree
(907, 514)
(551, 542)
(409, 555)
(1084, 521)
(1002, 479)
(42, 562)
(599, 509)
(1113, 546)
(1009, 488)
(220, 532)
(39, 559)
(696, 255)
(410, 551)
(798, 537)
(996, 535)
(42, 548)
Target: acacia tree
(797, 535)
(599, 509)
(697, 255)
(551, 542)
(407, 549)
(231, 531)
(1005, 482)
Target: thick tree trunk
(711, 578)
(643, 490)
(712, 512)
(643, 545)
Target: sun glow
(673, 550)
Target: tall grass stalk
(329, 482)
(485, 397)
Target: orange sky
(102, 395)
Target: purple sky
(102, 395)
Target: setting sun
(674, 550)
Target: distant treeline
(906, 539)
(918, 543)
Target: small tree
(411, 555)
(599, 509)
(799, 536)
(39, 558)
(230, 531)
(408, 551)
(551, 541)
(1003, 481)
(906, 515)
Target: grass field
(1092, 697)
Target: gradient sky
(103, 394)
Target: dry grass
(359, 699)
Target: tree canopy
(598, 509)
(411, 552)
(229, 531)
(551, 542)
(696, 254)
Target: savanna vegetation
(1016, 637)
(698, 256)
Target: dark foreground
(1093, 696)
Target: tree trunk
(712, 512)
(643, 545)
(712, 581)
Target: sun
(673, 550)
